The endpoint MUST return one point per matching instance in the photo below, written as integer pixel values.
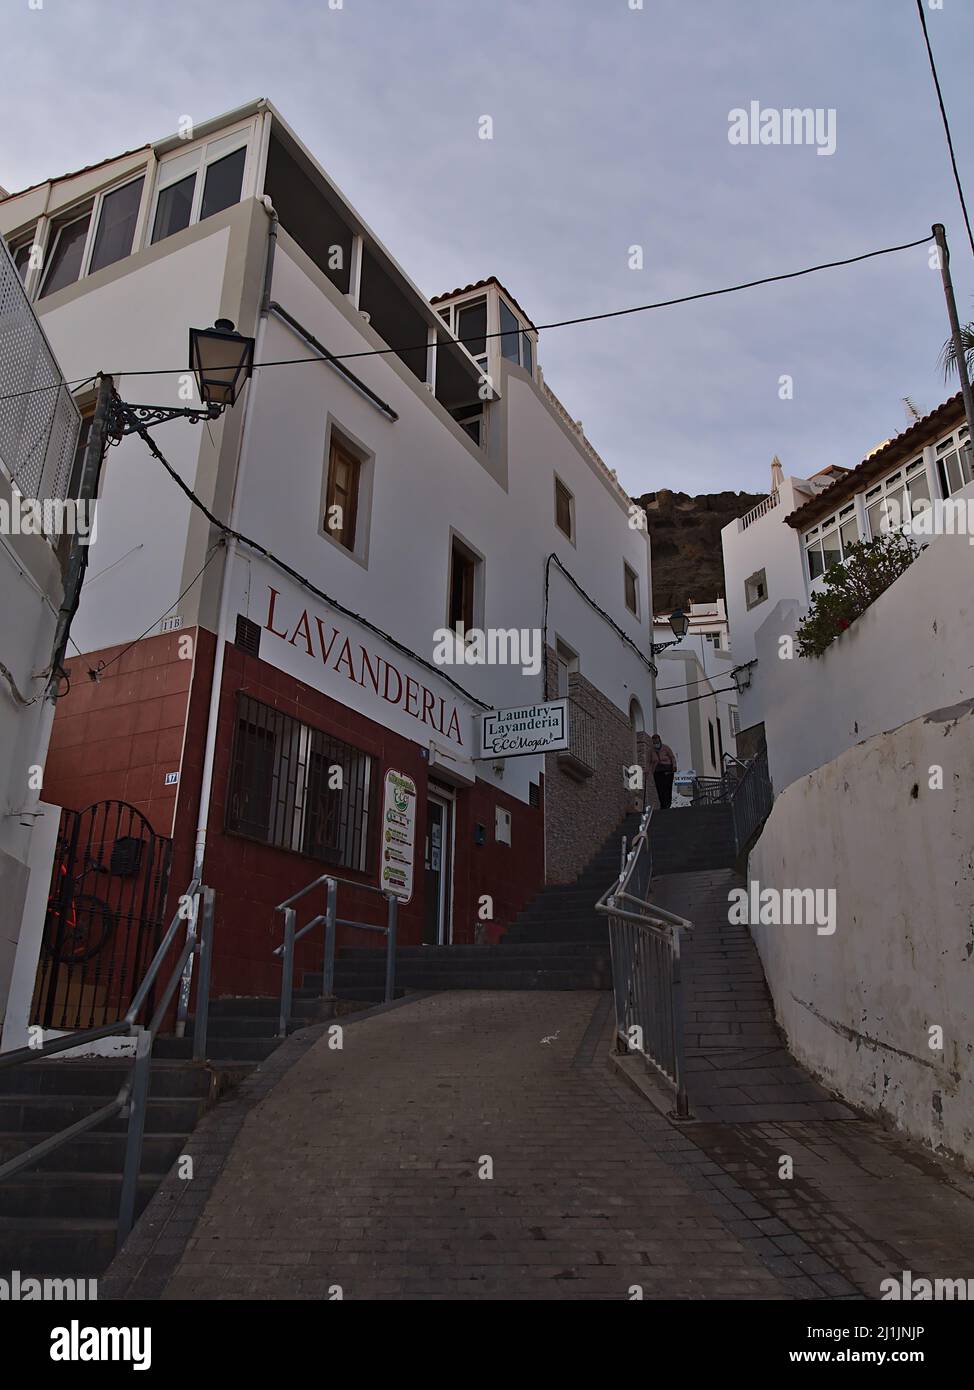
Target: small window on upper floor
(20, 251)
(199, 183)
(631, 580)
(515, 343)
(470, 326)
(755, 589)
(465, 569)
(66, 253)
(342, 494)
(564, 509)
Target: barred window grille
(299, 788)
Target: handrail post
(287, 980)
(331, 912)
(136, 1128)
(205, 949)
(679, 1060)
(391, 947)
(182, 1008)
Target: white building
(458, 474)
(696, 703)
(39, 426)
(776, 556)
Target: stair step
(55, 1247)
(102, 1079)
(54, 1112)
(97, 1151)
(68, 1194)
(224, 1052)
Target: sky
(610, 131)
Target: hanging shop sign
(523, 729)
(398, 835)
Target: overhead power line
(943, 115)
(541, 327)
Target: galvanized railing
(331, 921)
(751, 799)
(645, 942)
(195, 910)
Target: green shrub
(850, 587)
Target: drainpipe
(216, 682)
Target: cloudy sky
(610, 130)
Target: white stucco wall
(768, 544)
(857, 1005)
(911, 651)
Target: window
(631, 580)
(194, 185)
(755, 589)
(713, 745)
(471, 329)
(953, 457)
(470, 418)
(116, 225)
(515, 343)
(566, 662)
(830, 541)
(224, 180)
(463, 577)
(21, 256)
(174, 208)
(890, 503)
(66, 254)
(564, 509)
(298, 788)
(341, 494)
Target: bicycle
(88, 922)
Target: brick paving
(365, 1169)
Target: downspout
(216, 681)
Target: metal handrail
(645, 944)
(331, 920)
(133, 1095)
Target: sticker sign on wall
(511, 733)
(398, 835)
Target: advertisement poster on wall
(398, 835)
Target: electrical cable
(650, 666)
(943, 114)
(558, 323)
(95, 672)
(298, 577)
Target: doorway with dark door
(438, 869)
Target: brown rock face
(688, 562)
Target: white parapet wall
(889, 824)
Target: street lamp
(742, 676)
(679, 624)
(220, 358)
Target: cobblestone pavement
(366, 1168)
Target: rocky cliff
(685, 532)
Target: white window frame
(831, 526)
(240, 136)
(523, 332)
(956, 442)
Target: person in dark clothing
(662, 764)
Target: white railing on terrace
(763, 507)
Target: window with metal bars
(298, 788)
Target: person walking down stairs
(662, 764)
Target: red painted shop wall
(251, 878)
(118, 737)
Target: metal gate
(104, 915)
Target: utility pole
(78, 554)
(940, 236)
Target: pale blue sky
(610, 129)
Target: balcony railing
(763, 507)
(579, 758)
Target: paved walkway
(477, 1145)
